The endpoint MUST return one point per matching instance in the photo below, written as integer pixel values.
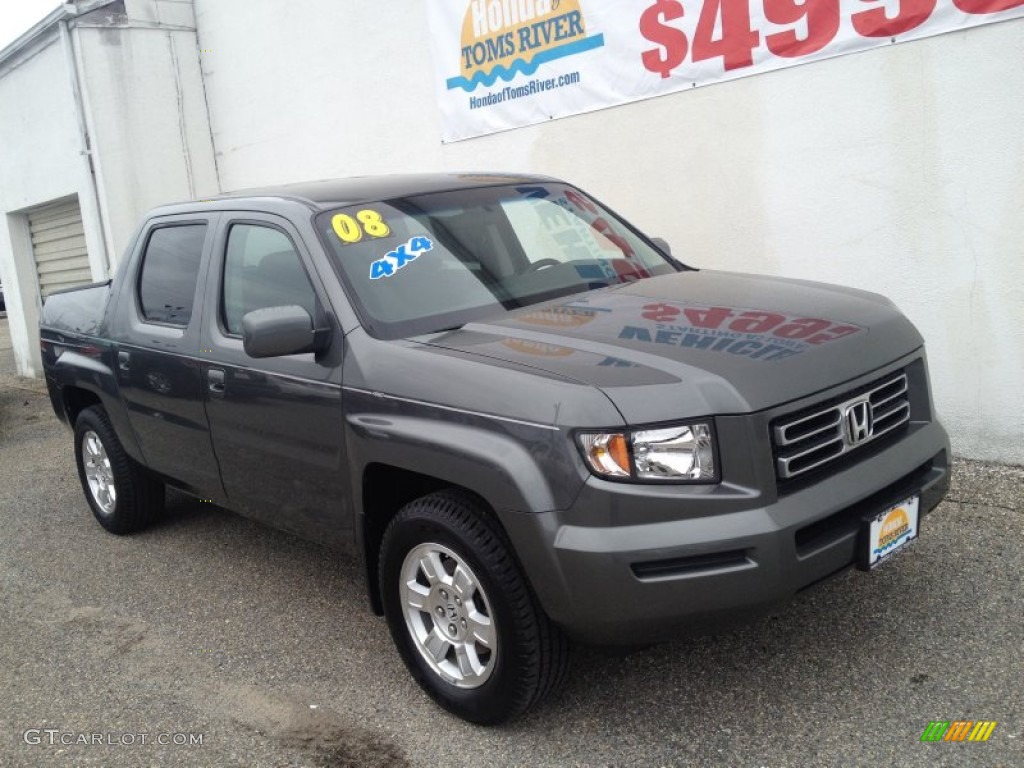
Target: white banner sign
(502, 64)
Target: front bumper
(632, 564)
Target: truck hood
(698, 343)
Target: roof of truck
(328, 194)
(332, 193)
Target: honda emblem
(857, 419)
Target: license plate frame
(889, 532)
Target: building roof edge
(44, 25)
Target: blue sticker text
(398, 258)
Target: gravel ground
(210, 626)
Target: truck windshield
(433, 262)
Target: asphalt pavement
(208, 640)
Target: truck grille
(811, 439)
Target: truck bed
(78, 310)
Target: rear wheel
(122, 495)
(461, 614)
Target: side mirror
(662, 245)
(278, 331)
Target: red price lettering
(618, 241)
(627, 270)
(660, 313)
(802, 328)
(738, 40)
(672, 43)
(580, 201)
(986, 6)
(707, 318)
(756, 322)
(912, 13)
(822, 25)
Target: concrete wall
(40, 161)
(899, 170)
(144, 111)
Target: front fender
(519, 468)
(513, 466)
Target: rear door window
(170, 272)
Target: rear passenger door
(276, 423)
(155, 328)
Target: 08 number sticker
(351, 229)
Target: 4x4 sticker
(350, 230)
(398, 258)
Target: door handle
(215, 380)
(124, 361)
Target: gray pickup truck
(529, 421)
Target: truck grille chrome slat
(811, 440)
(885, 401)
(891, 420)
(806, 428)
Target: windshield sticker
(535, 192)
(600, 271)
(398, 258)
(586, 210)
(351, 230)
(604, 238)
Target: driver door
(276, 423)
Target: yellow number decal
(346, 228)
(373, 223)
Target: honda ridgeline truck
(528, 420)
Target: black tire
(138, 497)
(530, 655)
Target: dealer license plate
(891, 530)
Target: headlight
(684, 453)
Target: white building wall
(899, 170)
(144, 109)
(40, 161)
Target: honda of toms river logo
(505, 38)
(895, 528)
(958, 730)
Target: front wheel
(461, 614)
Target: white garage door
(58, 242)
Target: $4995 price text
(814, 24)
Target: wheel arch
(387, 488)
(75, 399)
(398, 458)
(77, 380)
